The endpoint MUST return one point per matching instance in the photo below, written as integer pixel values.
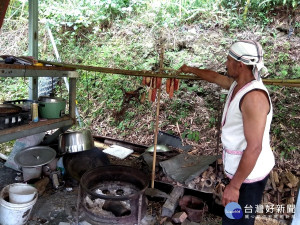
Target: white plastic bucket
(21, 193)
(12, 213)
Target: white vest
(234, 141)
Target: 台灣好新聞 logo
(233, 210)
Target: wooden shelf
(15, 70)
(34, 128)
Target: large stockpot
(51, 107)
(32, 159)
(77, 141)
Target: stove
(113, 194)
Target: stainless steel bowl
(71, 142)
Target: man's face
(231, 67)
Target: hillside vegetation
(126, 35)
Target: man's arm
(255, 108)
(208, 75)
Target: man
(247, 155)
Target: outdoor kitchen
(76, 182)
(62, 176)
(152, 155)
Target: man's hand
(208, 75)
(185, 69)
(231, 194)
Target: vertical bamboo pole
(161, 58)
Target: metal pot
(71, 142)
(51, 107)
(32, 159)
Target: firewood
(40, 185)
(179, 217)
(275, 175)
(293, 190)
(283, 178)
(293, 180)
(273, 180)
(204, 174)
(218, 193)
(285, 190)
(210, 169)
(163, 220)
(280, 188)
(278, 198)
(172, 202)
(266, 198)
(213, 177)
(220, 161)
(268, 186)
(290, 200)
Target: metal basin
(71, 142)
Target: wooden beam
(166, 73)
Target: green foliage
(6, 148)
(259, 6)
(13, 91)
(295, 72)
(191, 135)
(254, 11)
(174, 12)
(85, 16)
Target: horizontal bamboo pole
(285, 84)
(141, 73)
(169, 73)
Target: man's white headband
(250, 53)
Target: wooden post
(161, 58)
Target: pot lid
(50, 99)
(35, 156)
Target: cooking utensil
(71, 142)
(159, 148)
(51, 107)
(77, 164)
(9, 109)
(169, 139)
(32, 159)
(35, 156)
(25, 104)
